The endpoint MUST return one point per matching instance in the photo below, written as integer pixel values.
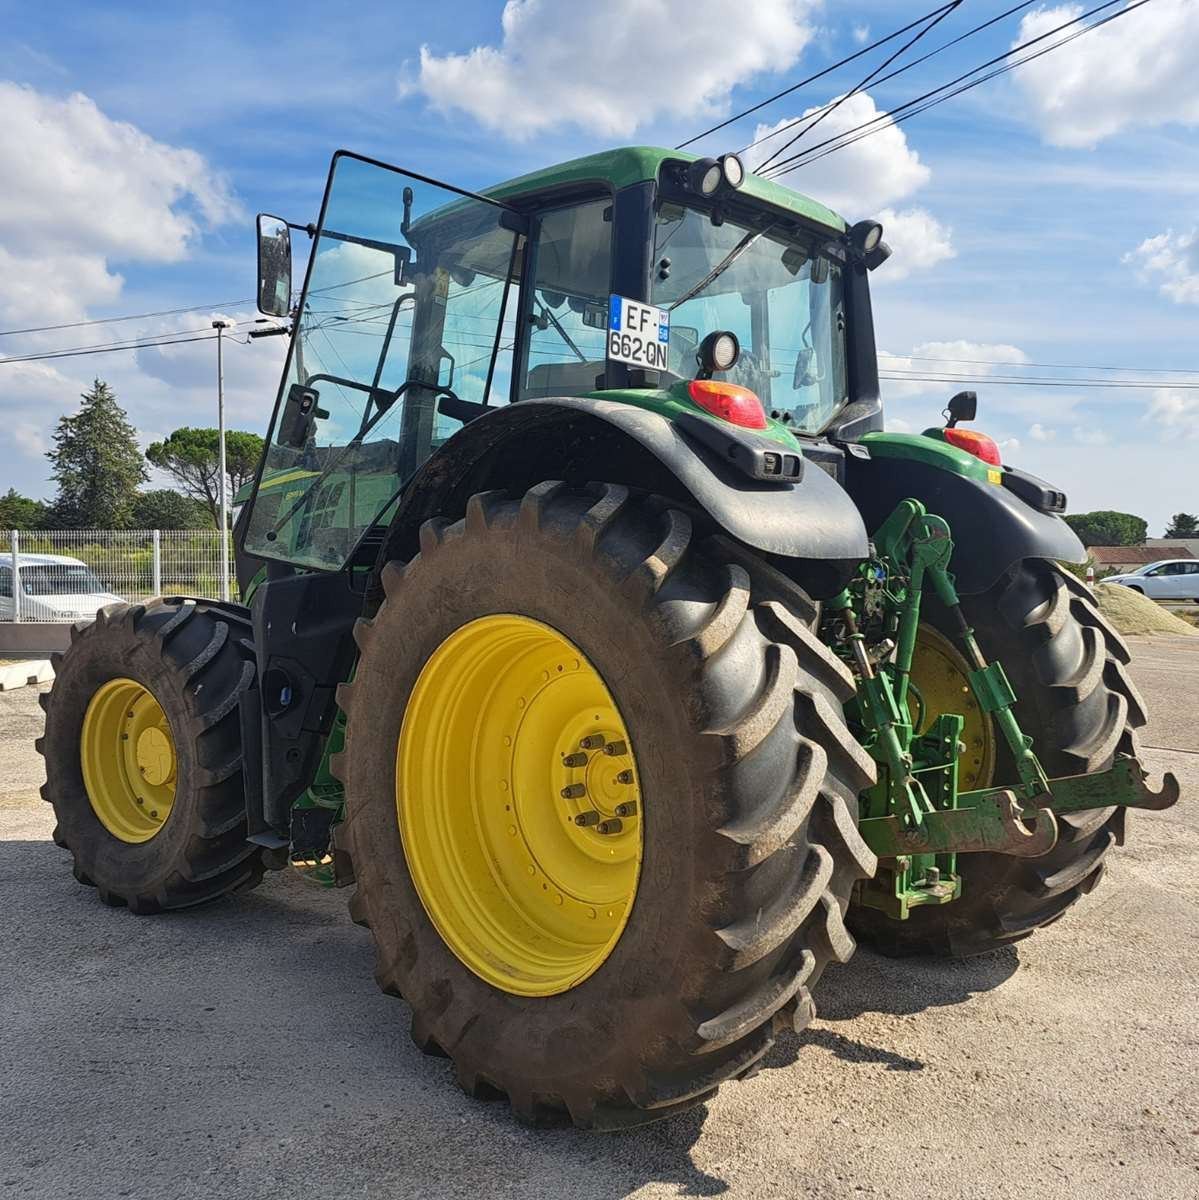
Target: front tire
(747, 778)
(143, 754)
(1066, 664)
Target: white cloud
(865, 179)
(1136, 72)
(1090, 436)
(1175, 410)
(862, 177)
(1171, 260)
(861, 34)
(83, 196)
(898, 424)
(940, 358)
(78, 180)
(917, 240)
(610, 68)
(1039, 433)
(1010, 443)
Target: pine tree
(96, 464)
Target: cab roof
(627, 165)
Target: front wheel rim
(518, 804)
(127, 753)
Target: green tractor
(593, 629)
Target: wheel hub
(518, 805)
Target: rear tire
(1066, 664)
(748, 775)
(195, 661)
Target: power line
(853, 91)
(900, 70)
(995, 362)
(106, 349)
(162, 312)
(812, 78)
(988, 380)
(933, 97)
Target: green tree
(96, 464)
(1106, 528)
(1185, 525)
(191, 458)
(161, 508)
(20, 512)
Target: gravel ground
(243, 1049)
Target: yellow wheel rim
(941, 676)
(128, 759)
(519, 807)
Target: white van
(52, 588)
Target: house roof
(1137, 554)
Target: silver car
(1170, 579)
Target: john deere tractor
(594, 631)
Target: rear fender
(811, 528)
(992, 527)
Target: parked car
(1170, 579)
(52, 587)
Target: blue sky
(1047, 217)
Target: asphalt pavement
(243, 1050)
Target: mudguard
(992, 527)
(585, 438)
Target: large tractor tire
(1075, 699)
(143, 754)
(601, 803)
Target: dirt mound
(1131, 612)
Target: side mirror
(963, 407)
(299, 414)
(274, 266)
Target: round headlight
(865, 236)
(733, 170)
(719, 351)
(705, 176)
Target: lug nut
(628, 809)
(139, 800)
(625, 776)
(611, 825)
(578, 759)
(572, 791)
(590, 817)
(615, 748)
(154, 813)
(593, 741)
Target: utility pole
(220, 325)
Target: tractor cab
(670, 283)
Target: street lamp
(220, 324)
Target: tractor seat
(564, 379)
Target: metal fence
(66, 574)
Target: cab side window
(569, 303)
(5, 581)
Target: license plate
(638, 334)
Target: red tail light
(730, 402)
(974, 443)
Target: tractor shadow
(872, 983)
(261, 1011)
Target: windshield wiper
(724, 264)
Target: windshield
(59, 579)
(410, 296)
(776, 290)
